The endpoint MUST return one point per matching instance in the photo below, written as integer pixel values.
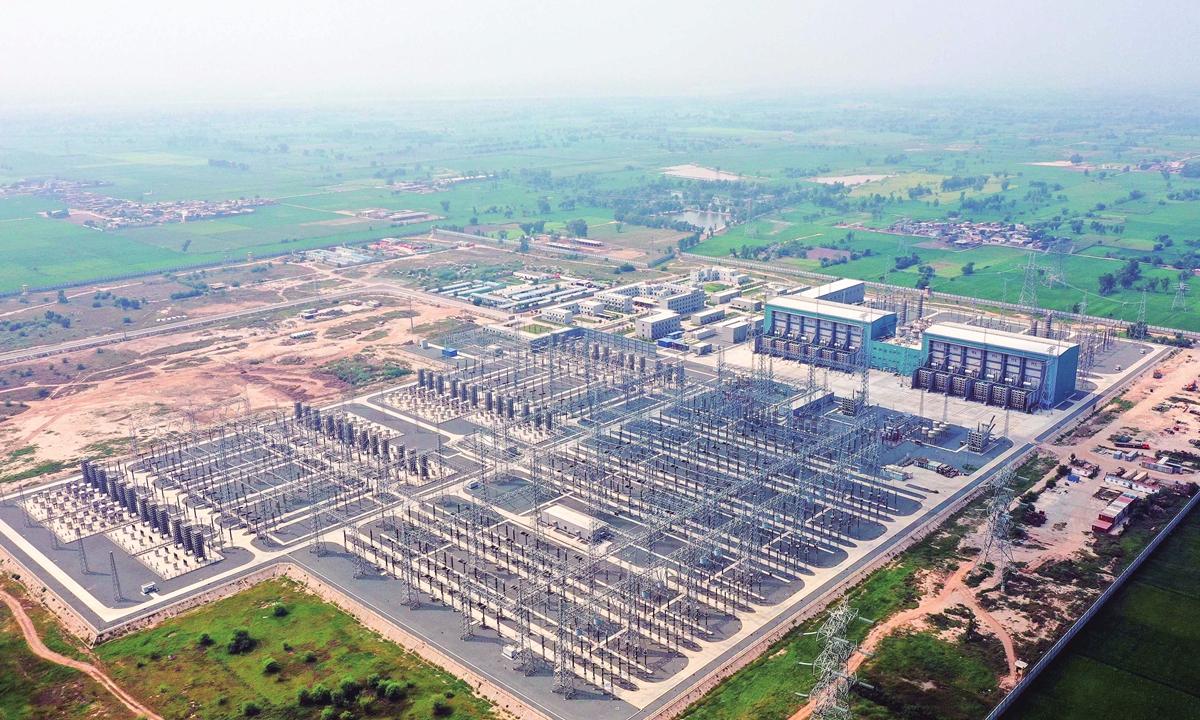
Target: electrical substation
(575, 514)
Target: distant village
(964, 233)
(107, 213)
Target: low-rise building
(723, 296)
(562, 314)
(732, 331)
(745, 303)
(710, 315)
(657, 325)
(716, 273)
(572, 522)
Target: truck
(1134, 445)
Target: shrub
(394, 691)
(251, 709)
(321, 695)
(303, 697)
(328, 714)
(241, 642)
(350, 688)
(441, 708)
(287, 646)
(280, 611)
(310, 657)
(346, 715)
(270, 665)
(373, 680)
(337, 697)
(205, 640)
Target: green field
(559, 161)
(1138, 657)
(313, 644)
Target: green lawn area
(313, 644)
(1137, 659)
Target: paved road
(25, 355)
(39, 648)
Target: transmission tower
(83, 566)
(830, 697)
(564, 677)
(1180, 301)
(1137, 331)
(1029, 289)
(997, 545)
(1083, 304)
(116, 582)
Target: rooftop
(1000, 339)
(661, 315)
(826, 308)
(830, 288)
(570, 515)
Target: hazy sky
(101, 51)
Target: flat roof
(827, 308)
(829, 288)
(999, 339)
(572, 516)
(661, 315)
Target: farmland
(1104, 177)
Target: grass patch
(920, 675)
(183, 678)
(361, 370)
(43, 468)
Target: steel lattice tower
(1029, 288)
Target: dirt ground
(161, 384)
(1070, 509)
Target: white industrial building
(657, 325)
(846, 291)
(732, 331)
(716, 273)
(723, 296)
(572, 522)
(563, 314)
(745, 303)
(676, 297)
(710, 315)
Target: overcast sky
(100, 51)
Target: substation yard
(582, 521)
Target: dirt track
(39, 648)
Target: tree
(1108, 284)
(969, 269)
(445, 206)
(524, 247)
(241, 642)
(1129, 273)
(62, 298)
(577, 227)
(1076, 159)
